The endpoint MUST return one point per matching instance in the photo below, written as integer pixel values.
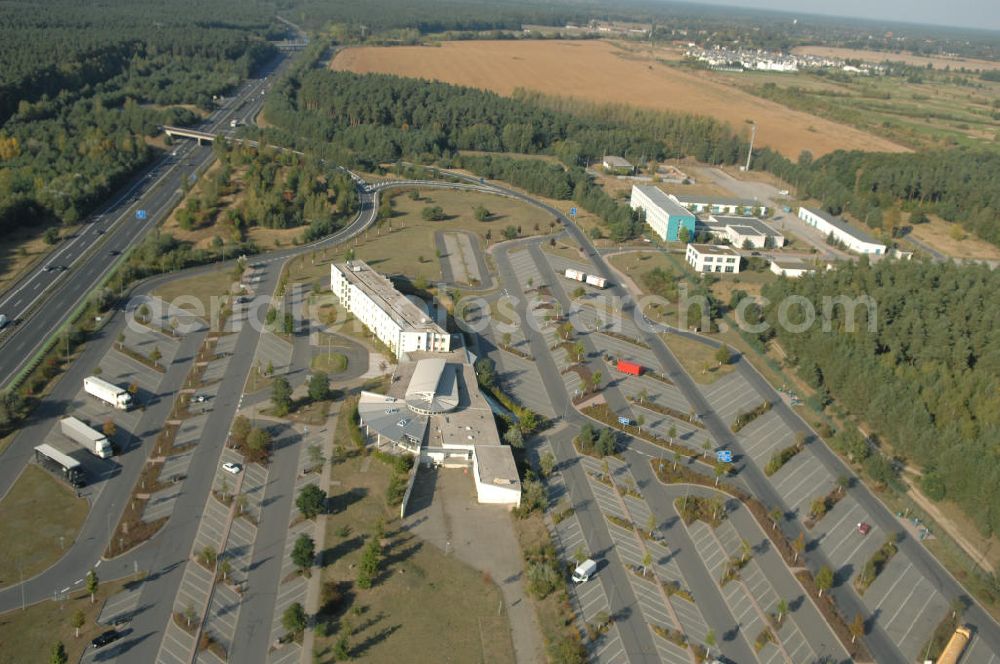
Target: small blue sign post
(572, 212)
(724, 456)
(140, 214)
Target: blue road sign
(572, 212)
(624, 421)
(140, 214)
(724, 456)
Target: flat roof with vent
(381, 290)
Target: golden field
(602, 71)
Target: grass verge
(28, 636)
(39, 518)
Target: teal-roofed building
(664, 215)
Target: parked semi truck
(107, 392)
(95, 441)
(60, 464)
(575, 275)
(597, 281)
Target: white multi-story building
(398, 322)
(663, 214)
(853, 238)
(713, 258)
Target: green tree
(294, 619)
(432, 213)
(528, 421)
(304, 553)
(58, 654)
(481, 213)
(781, 609)
(311, 501)
(371, 557)
(510, 232)
(547, 463)
(79, 620)
(319, 386)
(857, 627)
(684, 235)
(258, 442)
(92, 584)
(799, 545)
(514, 438)
(723, 355)
(342, 646)
(281, 396)
(240, 430)
(824, 579)
(155, 356)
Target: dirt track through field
(603, 72)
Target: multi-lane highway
(41, 301)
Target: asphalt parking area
(730, 395)
(839, 539)
(521, 379)
(802, 480)
(907, 605)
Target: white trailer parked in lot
(95, 441)
(595, 280)
(575, 275)
(107, 392)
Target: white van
(584, 571)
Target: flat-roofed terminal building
(435, 411)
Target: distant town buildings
(724, 58)
(854, 239)
(397, 322)
(713, 258)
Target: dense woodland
(926, 381)
(959, 184)
(82, 86)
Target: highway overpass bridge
(200, 136)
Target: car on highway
(114, 252)
(231, 467)
(864, 528)
(104, 638)
(200, 398)
(3, 321)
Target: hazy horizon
(979, 14)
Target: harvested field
(908, 58)
(601, 71)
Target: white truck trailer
(107, 392)
(597, 281)
(575, 275)
(95, 441)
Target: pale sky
(964, 13)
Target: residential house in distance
(663, 214)
(790, 267)
(397, 322)
(713, 258)
(853, 238)
(617, 165)
(742, 232)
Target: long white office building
(399, 323)
(853, 238)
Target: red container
(629, 367)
